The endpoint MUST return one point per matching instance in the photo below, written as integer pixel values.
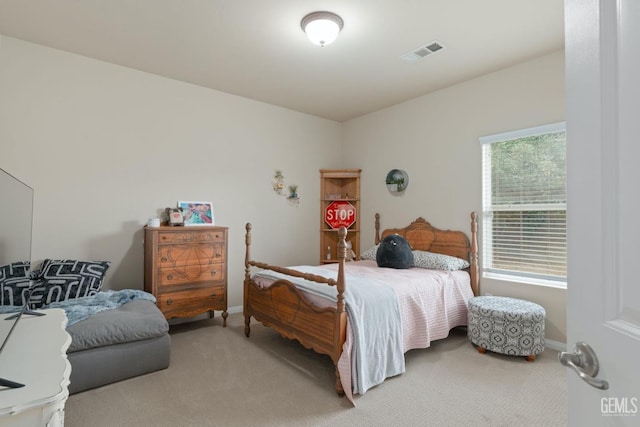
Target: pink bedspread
(431, 303)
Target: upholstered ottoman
(506, 325)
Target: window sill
(526, 280)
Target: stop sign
(340, 213)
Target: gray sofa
(116, 344)
(115, 334)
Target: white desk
(35, 355)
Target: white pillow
(434, 261)
(369, 254)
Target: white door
(603, 143)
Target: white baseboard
(234, 310)
(555, 345)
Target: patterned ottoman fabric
(506, 325)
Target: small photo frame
(197, 213)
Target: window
(524, 203)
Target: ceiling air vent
(422, 52)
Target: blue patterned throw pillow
(63, 279)
(14, 282)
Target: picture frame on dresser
(197, 213)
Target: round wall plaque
(397, 180)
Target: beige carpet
(218, 377)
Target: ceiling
(256, 49)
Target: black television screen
(15, 239)
(16, 220)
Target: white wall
(106, 147)
(434, 138)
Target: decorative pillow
(434, 261)
(394, 252)
(369, 254)
(14, 282)
(63, 279)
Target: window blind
(525, 202)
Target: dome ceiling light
(322, 28)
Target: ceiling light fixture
(322, 28)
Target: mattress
(134, 321)
(116, 344)
(100, 366)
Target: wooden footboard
(285, 309)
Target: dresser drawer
(186, 236)
(196, 254)
(191, 302)
(179, 275)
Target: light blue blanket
(78, 309)
(81, 308)
(374, 316)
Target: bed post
(247, 252)
(341, 315)
(474, 271)
(247, 278)
(342, 257)
(377, 228)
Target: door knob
(585, 363)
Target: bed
(318, 305)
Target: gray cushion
(98, 366)
(133, 321)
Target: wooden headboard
(423, 236)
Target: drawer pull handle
(169, 301)
(218, 255)
(170, 276)
(213, 296)
(164, 259)
(214, 272)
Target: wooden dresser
(185, 268)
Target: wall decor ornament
(397, 180)
(290, 192)
(278, 182)
(293, 191)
